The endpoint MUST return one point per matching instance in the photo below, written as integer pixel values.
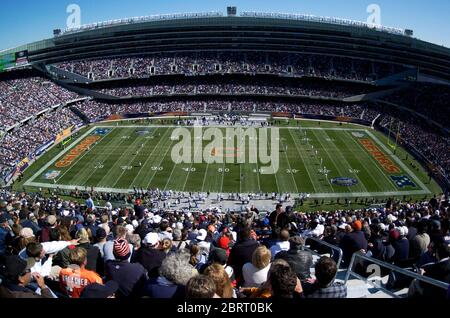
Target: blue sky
(26, 21)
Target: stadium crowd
(97, 111)
(431, 144)
(432, 101)
(25, 140)
(255, 87)
(21, 98)
(51, 247)
(231, 62)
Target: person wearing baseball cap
(16, 274)
(149, 255)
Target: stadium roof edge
(252, 14)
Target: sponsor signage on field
(77, 151)
(358, 134)
(101, 131)
(345, 182)
(52, 174)
(379, 156)
(143, 132)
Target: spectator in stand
(276, 218)
(255, 273)
(324, 286)
(16, 276)
(5, 229)
(242, 252)
(94, 258)
(282, 282)
(219, 256)
(400, 243)
(440, 270)
(150, 255)
(98, 291)
(281, 245)
(201, 286)
(299, 259)
(101, 238)
(120, 233)
(24, 219)
(48, 230)
(36, 255)
(376, 245)
(420, 242)
(174, 274)
(76, 277)
(353, 242)
(224, 288)
(130, 277)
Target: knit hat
(224, 242)
(121, 249)
(357, 225)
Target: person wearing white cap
(201, 237)
(130, 229)
(149, 255)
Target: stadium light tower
(231, 11)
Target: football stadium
(236, 154)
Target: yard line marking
(304, 163)
(341, 155)
(116, 162)
(111, 148)
(190, 167)
(331, 159)
(290, 169)
(133, 159)
(151, 154)
(160, 162)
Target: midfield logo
(262, 149)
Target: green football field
(326, 161)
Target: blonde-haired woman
(224, 289)
(255, 273)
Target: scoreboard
(11, 60)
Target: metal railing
(376, 280)
(331, 246)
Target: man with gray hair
(174, 274)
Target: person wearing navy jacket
(130, 277)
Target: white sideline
(313, 195)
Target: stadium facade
(248, 32)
